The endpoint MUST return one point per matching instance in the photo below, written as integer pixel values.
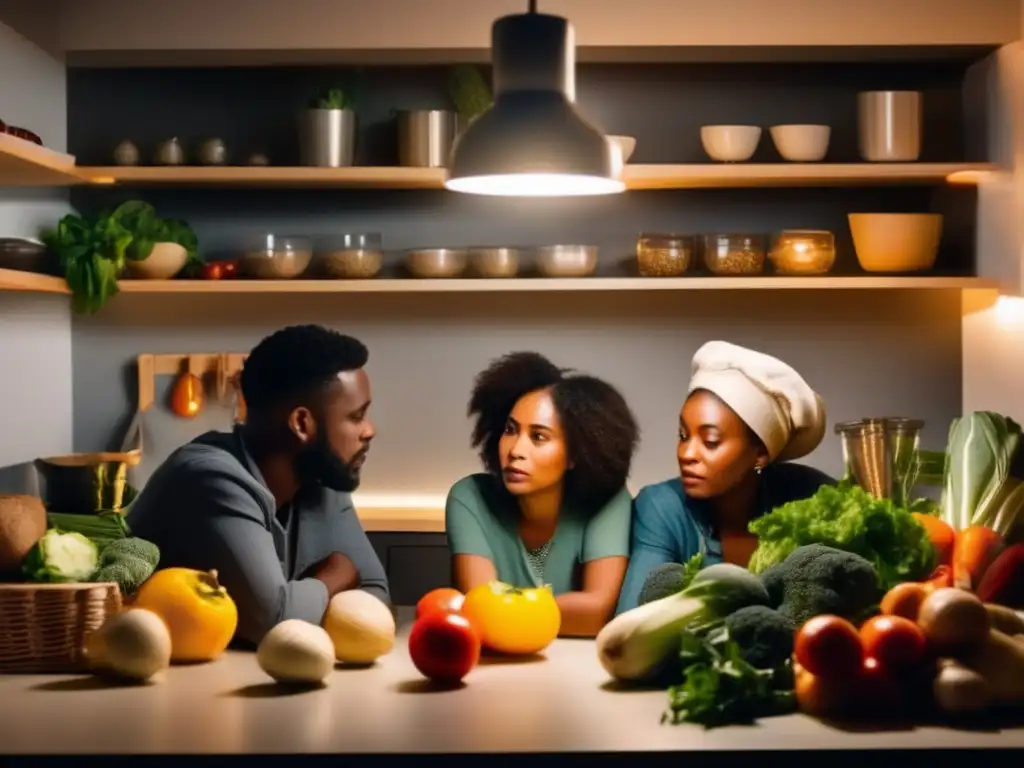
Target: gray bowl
(495, 262)
(567, 260)
(437, 262)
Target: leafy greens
(93, 250)
(721, 688)
(847, 517)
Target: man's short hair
(295, 362)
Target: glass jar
(803, 252)
(731, 255)
(663, 255)
(351, 256)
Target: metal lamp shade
(533, 142)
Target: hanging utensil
(238, 411)
(187, 396)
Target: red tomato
(444, 647)
(444, 599)
(213, 271)
(895, 641)
(877, 692)
(229, 269)
(829, 647)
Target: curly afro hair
(294, 363)
(601, 432)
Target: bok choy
(983, 481)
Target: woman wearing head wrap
(745, 416)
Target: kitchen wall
(868, 353)
(35, 331)
(993, 346)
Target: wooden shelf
(410, 285)
(25, 164)
(638, 177)
(11, 280)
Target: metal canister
(425, 137)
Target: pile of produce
(43, 547)
(852, 606)
(722, 639)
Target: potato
(953, 620)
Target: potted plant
(327, 131)
(95, 250)
(469, 92)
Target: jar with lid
(663, 255)
(803, 252)
(731, 255)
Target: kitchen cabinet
(414, 562)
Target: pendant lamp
(532, 142)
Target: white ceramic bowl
(164, 262)
(730, 143)
(627, 144)
(801, 143)
(896, 242)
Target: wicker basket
(43, 626)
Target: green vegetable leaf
(691, 568)
(984, 473)
(847, 517)
(93, 249)
(721, 688)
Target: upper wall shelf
(25, 164)
(638, 177)
(25, 281)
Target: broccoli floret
(764, 635)
(774, 583)
(817, 579)
(667, 579)
(129, 573)
(133, 546)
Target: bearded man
(267, 506)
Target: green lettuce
(847, 517)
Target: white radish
(296, 651)
(133, 644)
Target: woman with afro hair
(552, 507)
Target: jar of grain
(803, 252)
(663, 255)
(732, 255)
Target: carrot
(973, 552)
(941, 535)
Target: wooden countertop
(561, 703)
